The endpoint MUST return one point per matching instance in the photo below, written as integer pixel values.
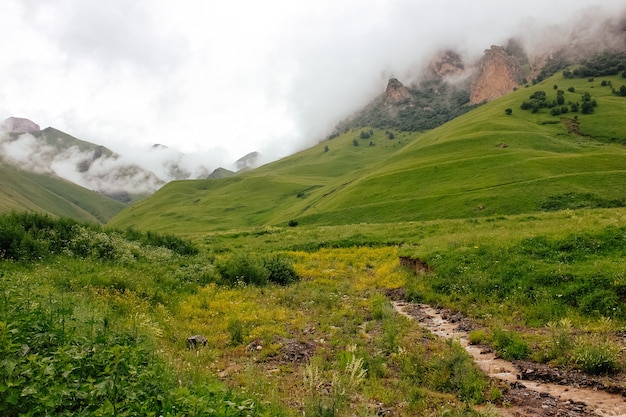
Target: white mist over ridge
(92, 166)
(222, 79)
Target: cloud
(221, 79)
(107, 174)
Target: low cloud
(222, 79)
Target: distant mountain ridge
(448, 87)
(95, 167)
(77, 174)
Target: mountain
(44, 193)
(486, 162)
(499, 73)
(95, 167)
(451, 84)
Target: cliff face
(445, 64)
(498, 74)
(397, 94)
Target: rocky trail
(534, 389)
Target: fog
(213, 81)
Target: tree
(508, 111)
(586, 107)
(326, 148)
(365, 134)
(622, 90)
(355, 142)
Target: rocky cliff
(397, 94)
(499, 73)
(445, 64)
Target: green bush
(280, 270)
(381, 307)
(453, 371)
(235, 330)
(596, 355)
(509, 345)
(32, 236)
(240, 268)
(477, 337)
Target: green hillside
(62, 141)
(42, 193)
(483, 163)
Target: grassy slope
(45, 194)
(455, 171)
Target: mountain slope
(21, 190)
(483, 163)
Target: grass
(47, 194)
(455, 171)
(518, 238)
(318, 343)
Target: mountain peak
(20, 125)
(397, 93)
(498, 74)
(445, 63)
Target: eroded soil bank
(533, 389)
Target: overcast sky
(224, 78)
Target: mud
(533, 389)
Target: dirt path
(526, 397)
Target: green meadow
(482, 163)
(287, 271)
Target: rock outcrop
(20, 125)
(397, 94)
(445, 64)
(498, 74)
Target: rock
(498, 74)
(20, 125)
(397, 94)
(445, 64)
(196, 341)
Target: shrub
(477, 337)
(561, 341)
(242, 268)
(280, 270)
(381, 307)
(235, 330)
(453, 371)
(596, 355)
(509, 345)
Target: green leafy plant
(596, 355)
(510, 345)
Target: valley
(453, 249)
